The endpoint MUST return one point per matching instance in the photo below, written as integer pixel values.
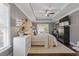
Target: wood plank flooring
(56, 54)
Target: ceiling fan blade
(51, 13)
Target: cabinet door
(19, 47)
(66, 34)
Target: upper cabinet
(65, 21)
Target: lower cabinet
(21, 45)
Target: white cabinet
(21, 45)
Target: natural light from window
(42, 28)
(4, 25)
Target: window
(42, 28)
(4, 25)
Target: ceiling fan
(49, 12)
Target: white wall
(74, 28)
(27, 10)
(15, 13)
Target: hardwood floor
(57, 54)
(70, 46)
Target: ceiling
(38, 12)
(39, 9)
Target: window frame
(6, 42)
